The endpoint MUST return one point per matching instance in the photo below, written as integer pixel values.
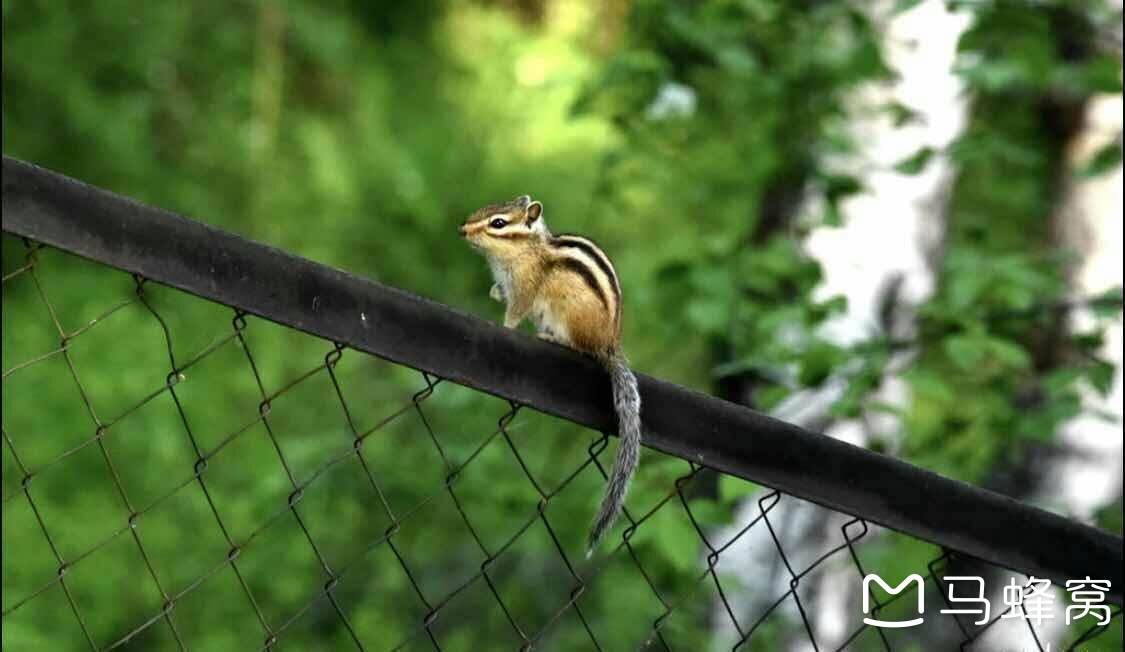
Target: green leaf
(1106, 159)
(1107, 304)
(737, 60)
(1060, 381)
(901, 115)
(733, 488)
(1009, 353)
(673, 535)
(847, 407)
(1101, 75)
(1101, 375)
(931, 385)
(885, 408)
(818, 312)
(627, 84)
(902, 6)
(916, 162)
(710, 513)
(832, 215)
(1089, 342)
(708, 315)
(839, 186)
(996, 75)
(1109, 517)
(818, 363)
(966, 351)
(969, 352)
(770, 397)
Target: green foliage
(916, 162)
(1107, 158)
(999, 369)
(682, 136)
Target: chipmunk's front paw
(549, 336)
(496, 294)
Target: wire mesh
(443, 519)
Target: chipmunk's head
(500, 229)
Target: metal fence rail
(351, 314)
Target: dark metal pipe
(164, 247)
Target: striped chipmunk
(567, 287)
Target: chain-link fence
(235, 473)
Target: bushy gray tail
(627, 404)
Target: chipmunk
(566, 285)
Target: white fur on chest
(541, 314)
(502, 277)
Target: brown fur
(568, 288)
(541, 279)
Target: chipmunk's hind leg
(548, 326)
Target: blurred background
(897, 223)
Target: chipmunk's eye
(498, 223)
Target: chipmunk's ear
(523, 200)
(534, 210)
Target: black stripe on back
(582, 270)
(598, 256)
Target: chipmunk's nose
(461, 230)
